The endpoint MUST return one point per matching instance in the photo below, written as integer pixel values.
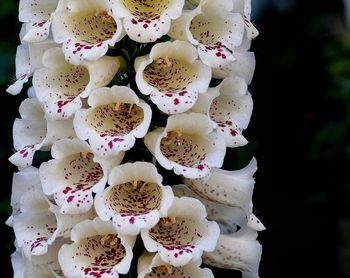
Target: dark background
(299, 133)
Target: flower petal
(136, 198)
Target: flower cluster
(121, 91)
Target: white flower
(230, 106)
(60, 85)
(34, 132)
(40, 223)
(86, 28)
(240, 251)
(173, 76)
(188, 145)
(37, 14)
(146, 21)
(74, 174)
(150, 265)
(135, 199)
(116, 118)
(97, 251)
(183, 235)
(244, 7)
(214, 28)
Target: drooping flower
(135, 199)
(146, 21)
(37, 16)
(214, 28)
(239, 251)
(187, 145)
(116, 118)
(173, 76)
(150, 265)
(230, 106)
(183, 235)
(34, 132)
(97, 251)
(40, 223)
(59, 86)
(245, 8)
(86, 29)
(74, 174)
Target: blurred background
(299, 133)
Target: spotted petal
(187, 145)
(146, 21)
(152, 266)
(86, 28)
(97, 251)
(183, 235)
(136, 198)
(116, 118)
(60, 85)
(172, 76)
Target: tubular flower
(116, 118)
(86, 28)
(230, 106)
(74, 174)
(34, 132)
(146, 21)
(152, 266)
(37, 16)
(97, 251)
(183, 235)
(40, 223)
(239, 250)
(187, 145)
(214, 28)
(245, 8)
(172, 76)
(60, 85)
(136, 198)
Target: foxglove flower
(60, 85)
(116, 118)
(152, 266)
(214, 28)
(74, 174)
(37, 16)
(239, 251)
(86, 29)
(34, 132)
(135, 199)
(230, 106)
(172, 76)
(97, 251)
(244, 7)
(147, 21)
(183, 235)
(187, 145)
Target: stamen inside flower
(109, 240)
(164, 62)
(173, 137)
(168, 221)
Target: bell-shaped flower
(244, 7)
(97, 251)
(230, 106)
(28, 58)
(86, 29)
(146, 21)
(116, 118)
(34, 132)
(232, 188)
(59, 86)
(37, 14)
(187, 145)
(150, 265)
(40, 223)
(214, 28)
(183, 235)
(173, 76)
(239, 251)
(74, 174)
(135, 199)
